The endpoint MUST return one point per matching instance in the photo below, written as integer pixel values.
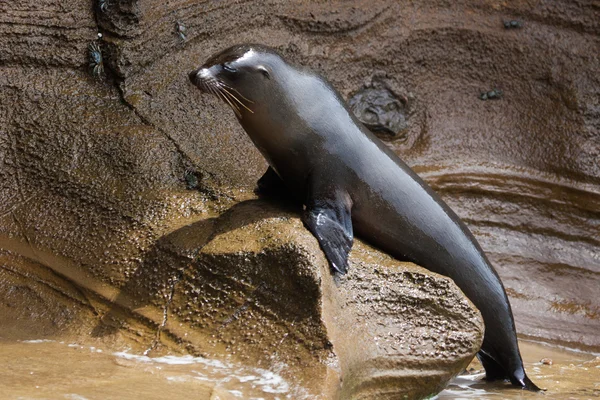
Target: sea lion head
(242, 76)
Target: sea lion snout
(199, 77)
(192, 75)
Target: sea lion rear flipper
(494, 371)
(526, 384)
(327, 216)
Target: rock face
(95, 173)
(393, 329)
(254, 285)
(403, 332)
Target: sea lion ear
(264, 70)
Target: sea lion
(350, 181)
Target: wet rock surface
(95, 173)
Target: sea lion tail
(494, 371)
(527, 384)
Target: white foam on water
(471, 377)
(178, 378)
(39, 341)
(222, 373)
(247, 378)
(203, 378)
(272, 383)
(75, 397)
(173, 360)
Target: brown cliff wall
(94, 170)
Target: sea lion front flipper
(327, 216)
(270, 184)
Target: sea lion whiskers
(217, 93)
(235, 90)
(233, 106)
(209, 86)
(214, 86)
(223, 87)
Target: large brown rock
(393, 329)
(254, 285)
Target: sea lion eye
(264, 71)
(227, 67)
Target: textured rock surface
(421, 328)
(254, 285)
(381, 111)
(92, 172)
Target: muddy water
(564, 373)
(59, 370)
(41, 369)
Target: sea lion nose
(200, 75)
(193, 76)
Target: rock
(37, 303)
(253, 286)
(262, 287)
(381, 112)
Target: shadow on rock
(154, 281)
(142, 305)
(254, 285)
